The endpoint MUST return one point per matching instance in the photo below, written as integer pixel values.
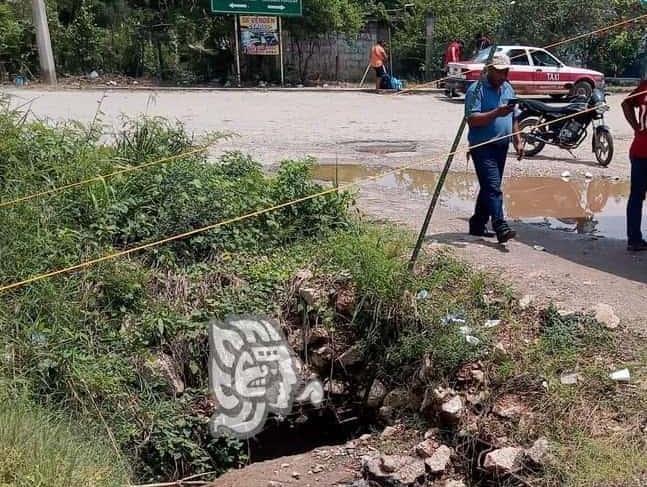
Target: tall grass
(39, 449)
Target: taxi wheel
(581, 88)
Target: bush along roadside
(123, 345)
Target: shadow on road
(603, 254)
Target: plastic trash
(621, 375)
(492, 323)
(422, 294)
(453, 319)
(472, 340)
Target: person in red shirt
(635, 110)
(453, 52)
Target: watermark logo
(252, 373)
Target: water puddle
(591, 207)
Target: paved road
(275, 125)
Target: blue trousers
(636, 199)
(489, 162)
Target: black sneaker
(481, 233)
(637, 247)
(505, 234)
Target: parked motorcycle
(568, 133)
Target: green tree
(17, 49)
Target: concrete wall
(336, 58)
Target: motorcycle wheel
(603, 147)
(531, 147)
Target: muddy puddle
(592, 207)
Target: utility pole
(47, 67)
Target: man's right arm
(476, 118)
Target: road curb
(218, 90)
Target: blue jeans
(489, 162)
(636, 199)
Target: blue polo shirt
(485, 99)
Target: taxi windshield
(483, 54)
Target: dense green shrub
(88, 343)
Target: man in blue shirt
(492, 120)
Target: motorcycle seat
(538, 106)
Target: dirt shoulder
(575, 272)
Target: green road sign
(285, 8)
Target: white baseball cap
(500, 62)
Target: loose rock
(296, 475)
(500, 352)
(396, 470)
(164, 366)
(539, 451)
(509, 407)
(526, 301)
(452, 410)
(376, 394)
(439, 460)
(352, 356)
(321, 357)
(605, 315)
(309, 295)
(454, 483)
(504, 460)
(426, 449)
(569, 379)
(432, 433)
(386, 414)
(397, 399)
(389, 431)
(318, 337)
(273, 483)
(478, 376)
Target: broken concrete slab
(440, 460)
(504, 460)
(605, 314)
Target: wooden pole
(361, 83)
(281, 51)
(237, 50)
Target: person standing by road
(490, 113)
(481, 41)
(635, 111)
(378, 62)
(452, 53)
